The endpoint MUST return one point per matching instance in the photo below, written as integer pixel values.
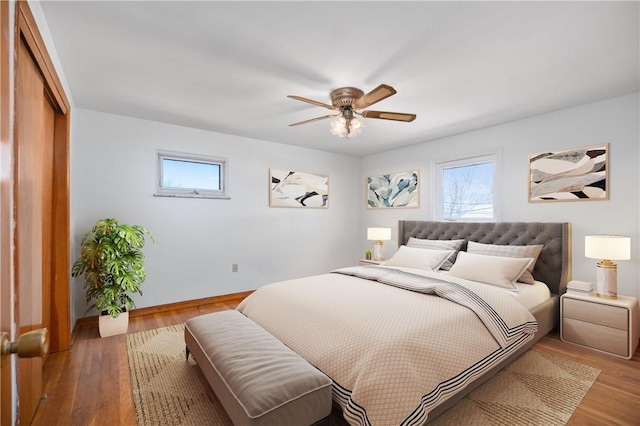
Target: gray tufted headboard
(554, 263)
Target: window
(193, 176)
(467, 189)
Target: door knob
(29, 345)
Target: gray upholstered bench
(258, 379)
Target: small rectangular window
(194, 176)
(467, 189)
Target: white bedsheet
(530, 295)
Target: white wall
(614, 120)
(113, 174)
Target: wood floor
(89, 385)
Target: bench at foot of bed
(258, 379)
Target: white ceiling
(228, 66)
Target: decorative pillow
(418, 258)
(454, 245)
(509, 251)
(495, 270)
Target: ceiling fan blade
(376, 95)
(313, 119)
(385, 115)
(311, 101)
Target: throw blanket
(392, 354)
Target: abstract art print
(297, 189)
(570, 175)
(395, 190)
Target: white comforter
(393, 354)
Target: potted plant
(367, 254)
(111, 263)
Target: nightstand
(605, 325)
(364, 262)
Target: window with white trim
(467, 189)
(191, 176)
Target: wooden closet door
(33, 210)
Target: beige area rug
(537, 389)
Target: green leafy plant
(367, 251)
(111, 263)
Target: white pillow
(509, 251)
(454, 245)
(494, 270)
(418, 258)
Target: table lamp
(379, 235)
(607, 248)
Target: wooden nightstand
(364, 262)
(605, 325)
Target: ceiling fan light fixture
(347, 128)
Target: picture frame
(394, 190)
(576, 174)
(294, 189)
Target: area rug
(536, 389)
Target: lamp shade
(611, 247)
(378, 234)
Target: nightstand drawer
(595, 336)
(607, 315)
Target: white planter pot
(110, 326)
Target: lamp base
(378, 251)
(607, 280)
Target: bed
(402, 345)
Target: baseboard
(93, 320)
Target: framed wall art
(394, 190)
(570, 175)
(297, 189)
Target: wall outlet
(234, 267)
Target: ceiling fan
(347, 101)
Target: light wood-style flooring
(89, 385)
